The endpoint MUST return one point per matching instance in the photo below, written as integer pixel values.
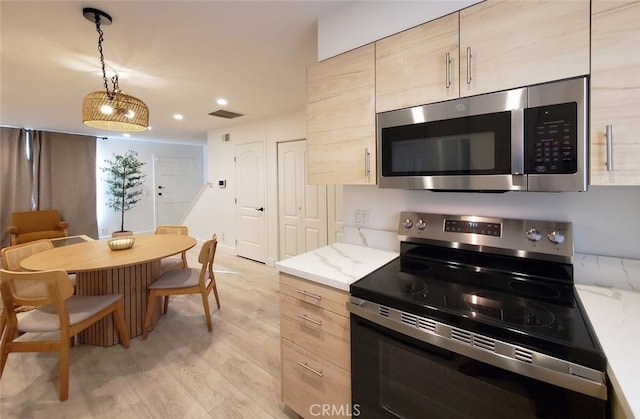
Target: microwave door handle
(517, 141)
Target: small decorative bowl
(121, 243)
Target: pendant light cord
(104, 72)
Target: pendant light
(111, 110)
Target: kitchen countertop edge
(337, 265)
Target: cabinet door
(615, 91)
(418, 66)
(341, 119)
(518, 43)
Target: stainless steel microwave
(532, 138)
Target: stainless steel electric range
(477, 318)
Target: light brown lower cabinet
(315, 346)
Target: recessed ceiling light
(221, 101)
(126, 134)
(178, 116)
(149, 128)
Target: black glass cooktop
(532, 303)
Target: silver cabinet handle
(304, 317)
(447, 66)
(313, 370)
(308, 294)
(468, 65)
(609, 135)
(367, 168)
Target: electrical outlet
(222, 237)
(105, 231)
(362, 217)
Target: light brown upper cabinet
(615, 93)
(341, 146)
(506, 44)
(418, 66)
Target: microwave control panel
(551, 144)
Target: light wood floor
(180, 371)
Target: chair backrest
(206, 257)
(181, 230)
(29, 221)
(13, 255)
(35, 288)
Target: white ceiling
(177, 56)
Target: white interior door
(175, 188)
(302, 208)
(250, 199)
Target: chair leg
(65, 350)
(118, 317)
(7, 338)
(185, 264)
(2, 323)
(215, 292)
(166, 304)
(207, 310)
(151, 302)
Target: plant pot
(122, 233)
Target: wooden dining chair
(172, 262)
(11, 258)
(185, 281)
(56, 310)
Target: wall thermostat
(222, 183)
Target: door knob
(160, 187)
(260, 209)
(159, 193)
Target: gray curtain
(15, 180)
(65, 178)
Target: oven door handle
(392, 412)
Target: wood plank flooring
(180, 371)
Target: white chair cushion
(79, 307)
(178, 278)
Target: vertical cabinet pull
(609, 135)
(313, 370)
(468, 65)
(447, 66)
(367, 168)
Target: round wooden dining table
(100, 270)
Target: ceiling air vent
(225, 114)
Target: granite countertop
(608, 288)
(337, 265)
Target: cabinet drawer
(315, 294)
(309, 383)
(322, 332)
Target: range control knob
(421, 224)
(407, 223)
(556, 237)
(533, 234)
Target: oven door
(397, 376)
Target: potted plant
(124, 178)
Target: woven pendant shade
(128, 114)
